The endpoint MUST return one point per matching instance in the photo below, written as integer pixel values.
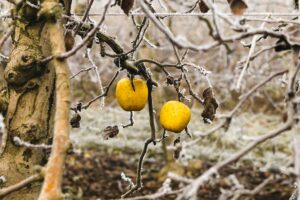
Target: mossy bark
(30, 93)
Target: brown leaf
(203, 7)
(126, 5)
(296, 4)
(110, 132)
(238, 7)
(178, 148)
(210, 105)
(207, 93)
(292, 32)
(75, 121)
(69, 40)
(176, 141)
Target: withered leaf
(207, 93)
(210, 105)
(67, 6)
(203, 7)
(110, 132)
(284, 117)
(79, 106)
(126, 5)
(69, 40)
(75, 121)
(296, 4)
(176, 141)
(177, 152)
(178, 148)
(292, 32)
(238, 7)
(170, 80)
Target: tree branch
(8, 190)
(51, 189)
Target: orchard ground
(95, 166)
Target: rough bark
(30, 94)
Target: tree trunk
(30, 93)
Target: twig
(228, 116)
(5, 37)
(190, 191)
(256, 54)
(155, 196)
(191, 91)
(8, 190)
(188, 45)
(252, 90)
(253, 192)
(297, 162)
(178, 178)
(246, 64)
(131, 122)
(88, 37)
(17, 141)
(85, 15)
(102, 104)
(80, 71)
(104, 94)
(151, 110)
(139, 183)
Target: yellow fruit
(129, 99)
(174, 116)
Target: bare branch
(89, 36)
(5, 37)
(190, 192)
(246, 64)
(19, 142)
(139, 182)
(8, 190)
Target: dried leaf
(282, 45)
(67, 6)
(79, 106)
(296, 4)
(238, 7)
(293, 34)
(207, 93)
(284, 117)
(203, 7)
(170, 80)
(75, 121)
(176, 141)
(210, 105)
(126, 5)
(110, 132)
(69, 40)
(178, 148)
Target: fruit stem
(150, 106)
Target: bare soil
(96, 174)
